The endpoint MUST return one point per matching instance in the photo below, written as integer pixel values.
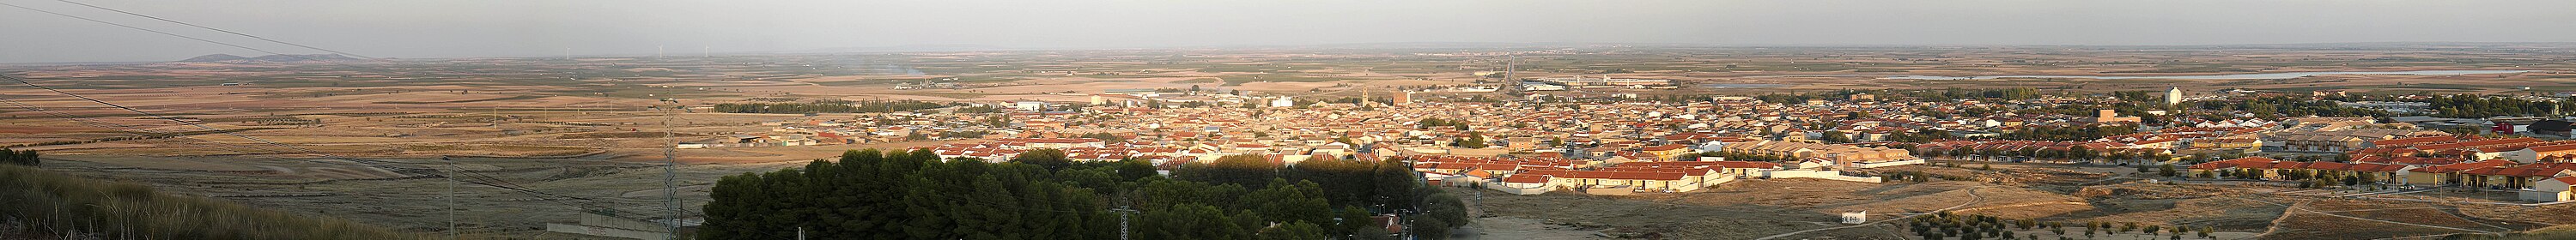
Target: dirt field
(1758, 208)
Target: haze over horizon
(495, 28)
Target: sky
(521, 28)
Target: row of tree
(1945, 225)
(2306, 177)
(828, 107)
(2478, 106)
(27, 158)
(1923, 95)
(2285, 106)
(2071, 153)
(2067, 133)
(1429, 123)
(1040, 194)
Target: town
(1535, 144)
(1619, 145)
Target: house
(1029, 105)
(2559, 152)
(1815, 163)
(2515, 177)
(2553, 189)
(2108, 116)
(2214, 168)
(2551, 128)
(1525, 184)
(1668, 152)
(2447, 174)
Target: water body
(2286, 75)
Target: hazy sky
(482, 28)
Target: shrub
(115, 210)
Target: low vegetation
(828, 107)
(22, 158)
(62, 206)
(1946, 225)
(897, 194)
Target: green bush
(27, 158)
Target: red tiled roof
(2458, 167)
(1645, 176)
(2412, 141)
(1526, 178)
(2406, 160)
(1664, 147)
(2250, 162)
(2554, 148)
(1724, 164)
(2476, 143)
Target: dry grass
(53, 202)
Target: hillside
(268, 58)
(43, 204)
(214, 57)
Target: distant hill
(214, 57)
(269, 58)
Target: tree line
(2284, 106)
(24, 158)
(1039, 194)
(2067, 133)
(1946, 225)
(2477, 106)
(1920, 95)
(828, 107)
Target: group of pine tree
(1041, 194)
(829, 107)
(27, 157)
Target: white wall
(1522, 188)
(1888, 164)
(1826, 175)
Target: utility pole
(1123, 212)
(451, 198)
(671, 176)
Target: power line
(202, 126)
(485, 179)
(482, 179)
(216, 29)
(224, 43)
(134, 129)
(154, 31)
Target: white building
(1029, 105)
(2173, 96)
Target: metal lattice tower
(671, 174)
